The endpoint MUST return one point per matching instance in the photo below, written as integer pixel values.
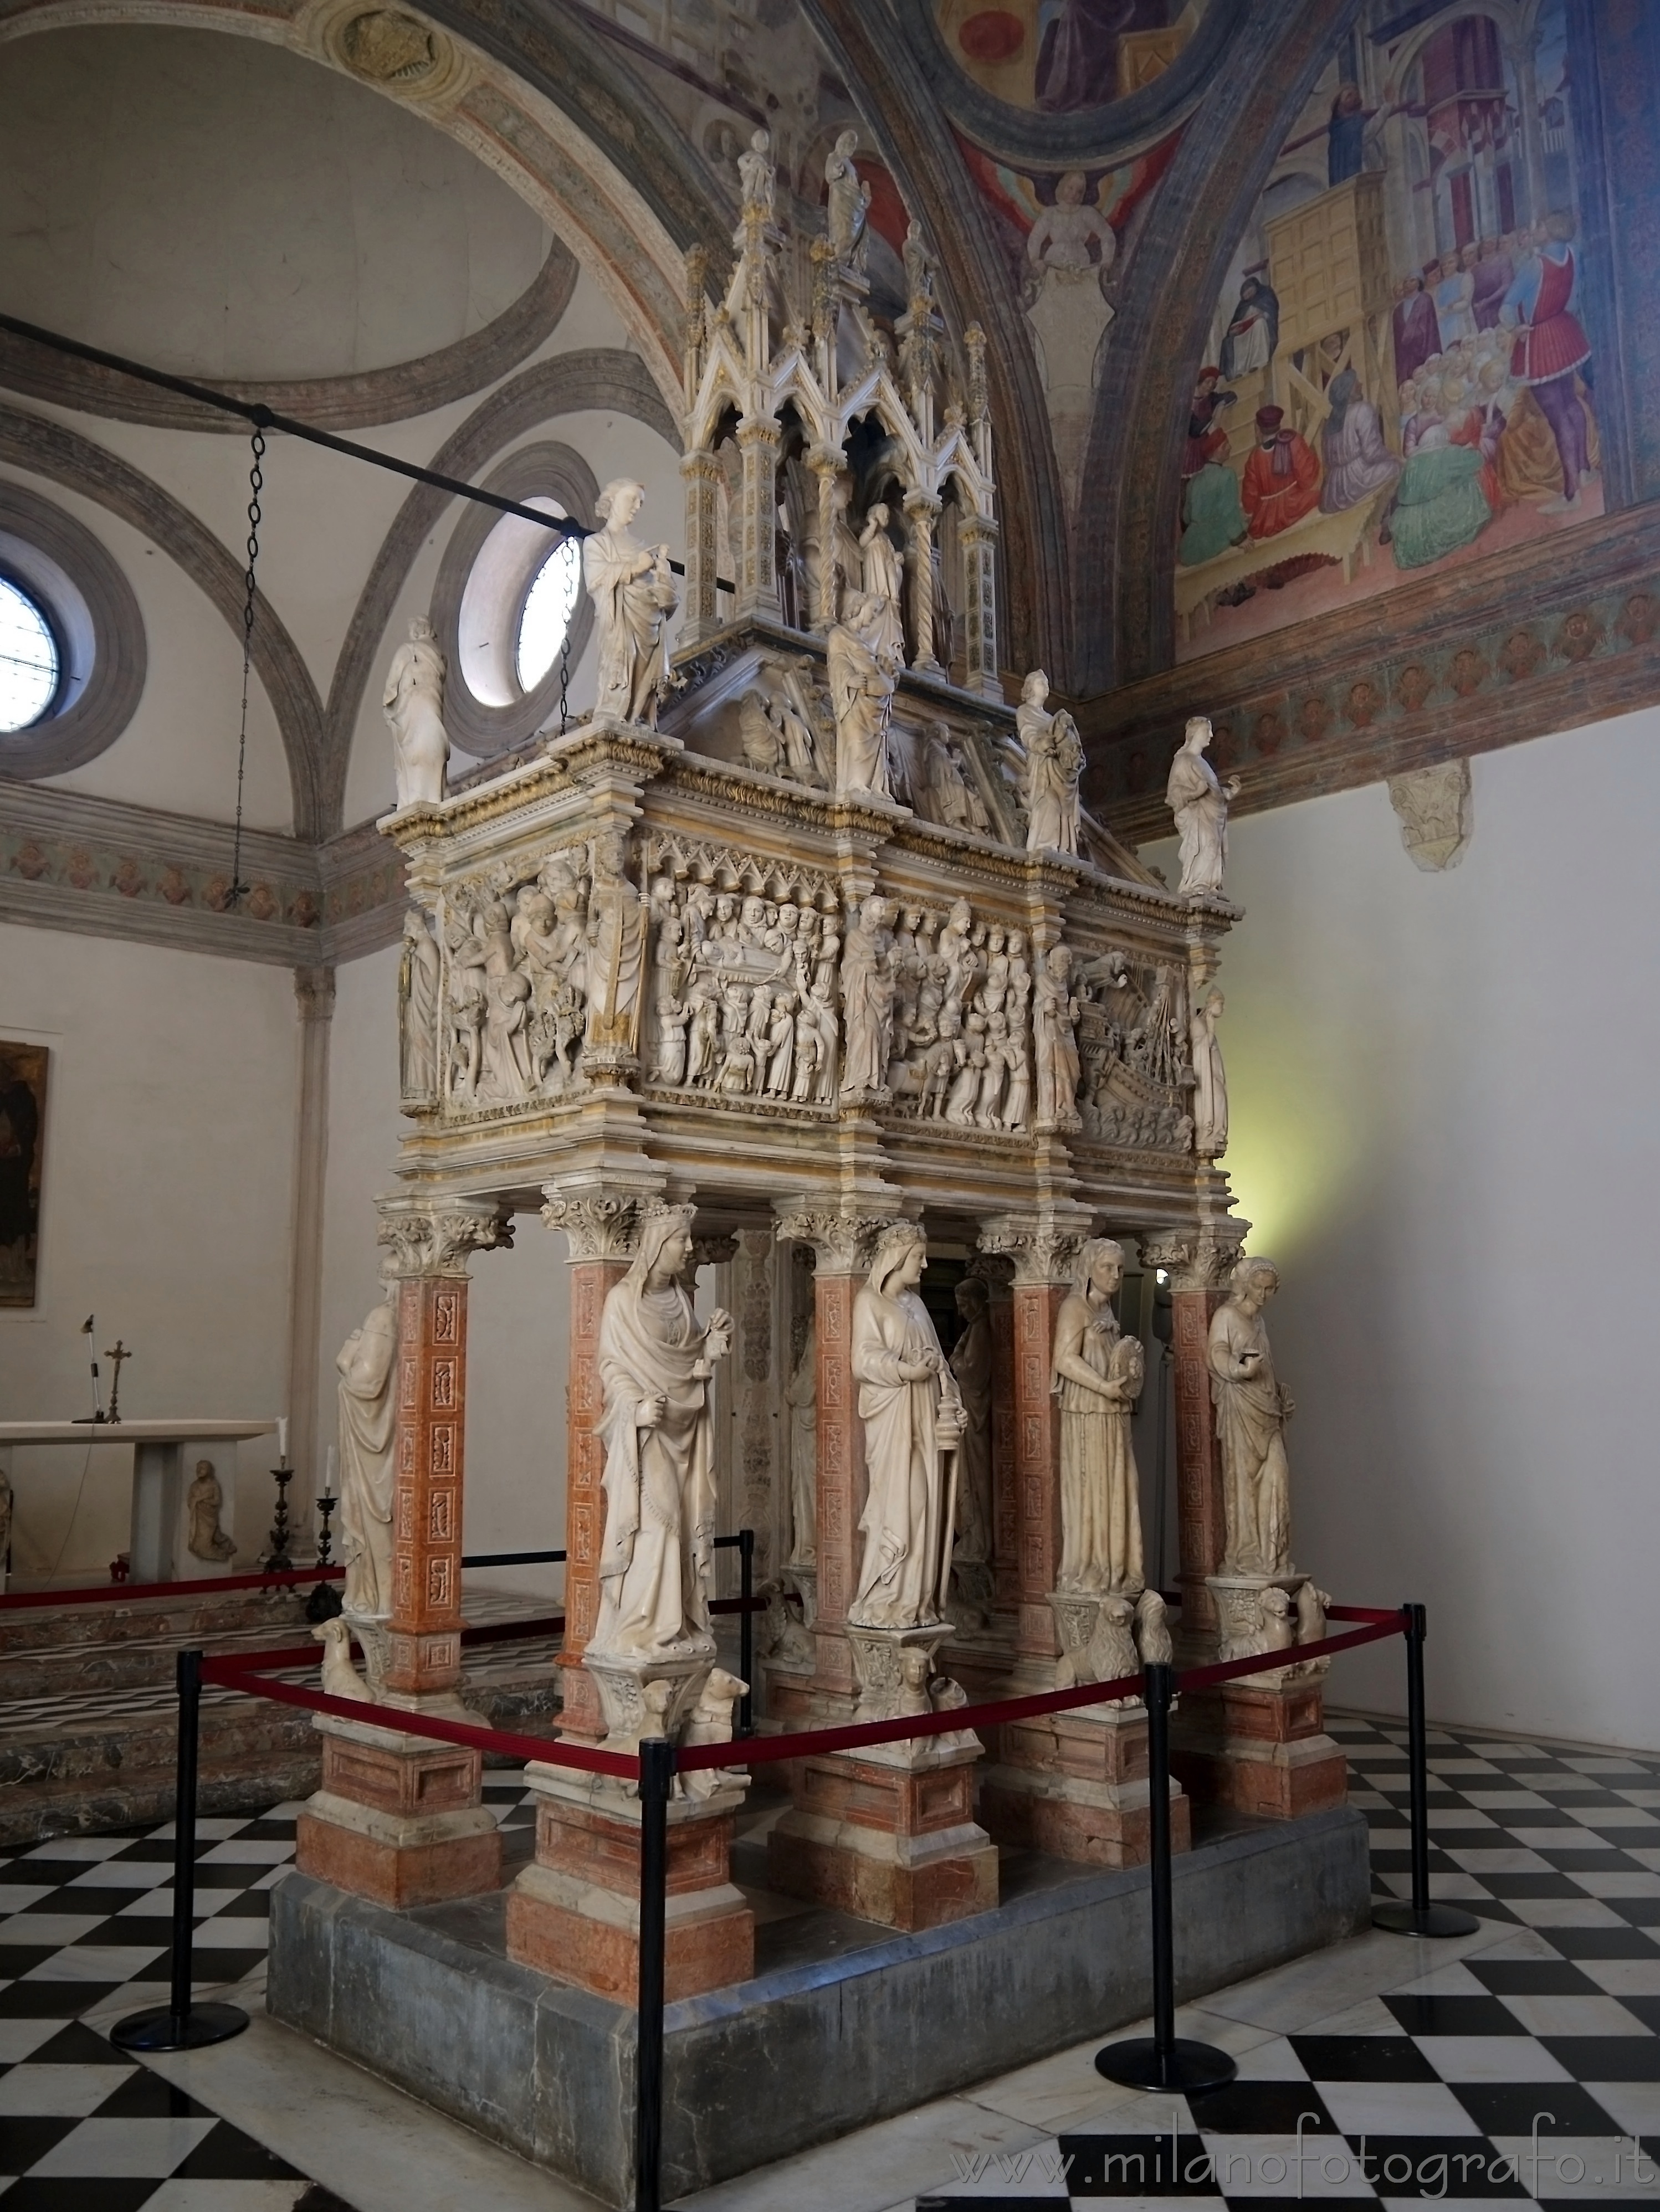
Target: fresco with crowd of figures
(1399, 377)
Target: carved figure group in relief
(634, 594)
(1252, 1407)
(413, 704)
(655, 1361)
(203, 1504)
(1097, 1377)
(913, 1422)
(1135, 1039)
(367, 1365)
(1198, 799)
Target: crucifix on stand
(115, 1359)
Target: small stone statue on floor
(413, 704)
(205, 1500)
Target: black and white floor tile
(1525, 2072)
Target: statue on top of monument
(1198, 799)
(849, 199)
(413, 705)
(634, 595)
(1051, 770)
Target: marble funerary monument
(796, 955)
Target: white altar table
(157, 1544)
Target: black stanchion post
(747, 1631)
(1163, 2060)
(656, 1776)
(178, 2025)
(1419, 1918)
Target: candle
(282, 1442)
(331, 1466)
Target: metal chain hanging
(238, 890)
(564, 680)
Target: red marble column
(398, 1819)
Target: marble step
(193, 1618)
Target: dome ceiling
(225, 207)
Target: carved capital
(439, 1240)
(994, 1269)
(713, 1250)
(1040, 1250)
(600, 1225)
(1196, 1259)
(841, 1243)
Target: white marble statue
(634, 595)
(1055, 1040)
(418, 1008)
(919, 270)
(1199, 799)
(1251, 1413)
(204, 1504)
(756, 177)
(848, 199)
(1210, 1080)
(883, 573)
(867, 996)
(801, 1407)
(368, 1363)
(971, 1366)
(862, 676)
(340, 1678)
(413, 704)
(913, 1421)
(1097, 1377)
(1053, 767)
(616, 924)
(655, 1359)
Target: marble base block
(1075, 1785)
(397, 1820)
(890, 1833)
(575, 1912)
(1259, 1746)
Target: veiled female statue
(1199, 799)
(1251, 1413)
(417, 1003)
(656, 1562)
(1054, 765)
(913, 1421)
(368, 1413)
(1097, 1375)
(970, 1366)
(413, 704)
(634, 595)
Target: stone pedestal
(1259, 1744)
(1075, 1784)
(575, 1912)
(889, 1834)
(397, 1820)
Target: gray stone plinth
(805, 2051)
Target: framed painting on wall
(22, 1125)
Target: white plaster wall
(1443, 1092)
(518, 1308)
(165, 1211)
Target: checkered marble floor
(1525, 2070)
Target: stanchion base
(1139, 2063)
(1433, 1920)
(161, 2030)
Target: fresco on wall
(1397, 381)
(1058, 57)
(22, 1122)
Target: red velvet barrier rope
(119, 1593)
(239, 1672)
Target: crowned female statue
(656, 1562)
(913, 1421)
(634, 595)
